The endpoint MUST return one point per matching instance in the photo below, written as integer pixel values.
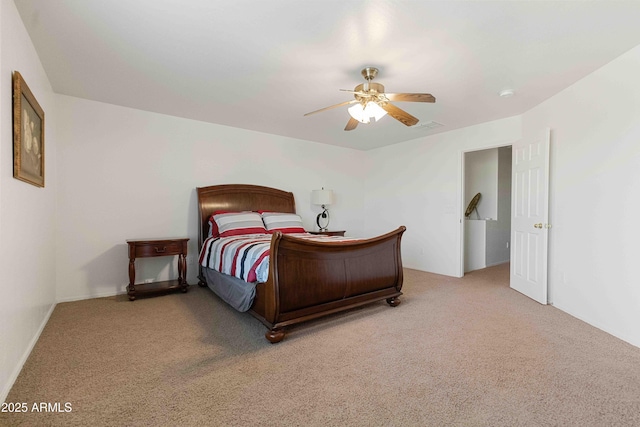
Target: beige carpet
(456, 352)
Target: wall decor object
(473, 206)
(28, 134)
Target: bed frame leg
(201, 282)
(275, 335)
(393, 302)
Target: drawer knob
(159, 251)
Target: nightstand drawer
(157, 249)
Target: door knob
(538, 225)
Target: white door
(529, 217)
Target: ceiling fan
(371, 102)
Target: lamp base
(323, 219)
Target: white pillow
(283, 222)
(238, 223)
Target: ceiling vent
(427, 125)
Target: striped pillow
(237, 223)
(283, 222)
(213, 227)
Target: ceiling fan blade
(357, 92)
(353, 101)
(410, 97)
(399, 114)
(351, 124)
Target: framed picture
(28, 134)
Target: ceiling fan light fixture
(372, 103)
(364, 114)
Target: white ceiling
(261, 65)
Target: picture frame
(28, 134)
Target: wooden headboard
(239, 197)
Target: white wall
(475, 244)
(481, 176)
(127, 174)
(418, 184)
(27, 213)
(595, 196)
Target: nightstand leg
(182, 272)
(131, 289)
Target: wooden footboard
(309, 279)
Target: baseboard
(493, 264)
(83, 297)
(25, 356)
(100, 295)
(623, 337)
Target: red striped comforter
(246, 257)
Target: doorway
(486, 231)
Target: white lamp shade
(322, 197)
(366, 113)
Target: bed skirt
(235, 292)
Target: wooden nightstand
(153, 248)
(329, 233)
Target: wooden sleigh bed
(307, 279)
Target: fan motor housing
(373, 90)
